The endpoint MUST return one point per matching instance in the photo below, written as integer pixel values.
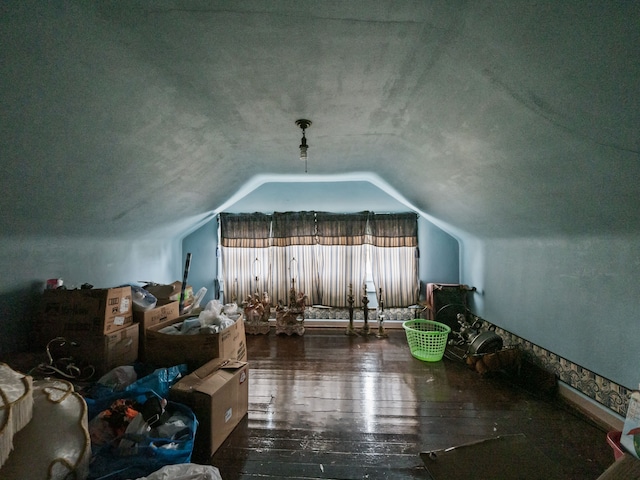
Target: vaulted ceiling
(499, 118)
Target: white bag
(185, 471)
(630, 438)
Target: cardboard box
(70, 313)
(219, 397)
(106, 352)
(164, 311)
(170, 292)
(166, 350)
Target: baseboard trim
(603, 417)
(340, 323)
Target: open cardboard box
(164, 311)
(166, 350)
(171, 292)
(218, 394)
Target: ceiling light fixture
(303, 124)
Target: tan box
(219, 397)
(171, 292)
(163, 312)
(166, 350)
(70, 313)
(106, 352)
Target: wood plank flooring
(329, 406)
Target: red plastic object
(613, 439)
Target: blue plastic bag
(149, 452)
(99, 397)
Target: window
(320, 254)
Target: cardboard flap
(216, 364)
(210, 384)
(232, 364)
(164, 291)
(211, 377)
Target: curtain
(393, 230)
(321, 254)
(394, 258)
(342, 228)
(294, 228)
(245, 230)
(245, 239)
(339, 267)
(341, 256)
(245, 271)
(395, 271)
(293, 256)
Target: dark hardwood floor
(329, 406)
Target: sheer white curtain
(394, 257)
(294, 266)
(341, 256)
(395, 271)
(322, 255)
(338, 268)
(293, 256)
(244, 248)
(245, 272)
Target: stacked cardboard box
(165, 310)
(217, 387)
(99, 321)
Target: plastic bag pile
(213, 319)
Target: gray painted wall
(576, 297)
(27, 263)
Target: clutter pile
(480, 347)
(216, 332)
(133, 379)
(140, 432)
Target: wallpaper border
(609, 394)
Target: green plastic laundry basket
(427, 339)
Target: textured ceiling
(500, 118)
